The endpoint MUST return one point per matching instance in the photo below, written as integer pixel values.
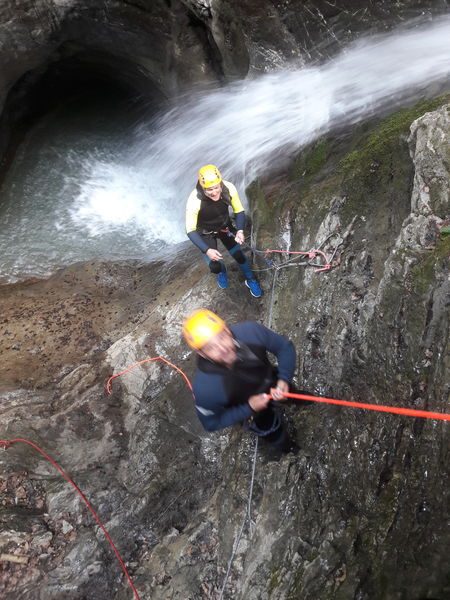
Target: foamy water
(111, 196)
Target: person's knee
(215, 267)
(239, 257)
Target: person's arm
(197, 239)
(212, 403)
(282, 348)
(212, 420)
(192, 210)
(236, 205)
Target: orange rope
(407, 412)
(108, 385)
(7, 443)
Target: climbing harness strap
(252, 426)
(219, 231)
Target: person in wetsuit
(208, 220)
(235, 381)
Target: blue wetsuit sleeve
(282, 348)
(240, 220)
(196, 239)
(212, 421)
(211, 402)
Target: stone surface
(374, 329)
(358, 512)
(142, 449)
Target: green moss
(377, 174)
(310, 162)
(274, 581)
(374, 150)
(423, 274)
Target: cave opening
(67, 185)
(81, 77)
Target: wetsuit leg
(227, 239)
(236, 252)
(279, 438)
(215, 266)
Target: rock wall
(352, 518)
(358, 512)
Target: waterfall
(249, 126)
(128, 199)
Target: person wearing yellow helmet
(208, 220)
(235, 381)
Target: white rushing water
(249, 125)
(122, 198)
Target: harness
(250, 425)
(226, 230)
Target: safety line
(407, 412)
(108, 385)
(313, 253)
(8, 443)
(248, 513)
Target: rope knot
(326, 267)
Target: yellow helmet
(209, 175)
(201, 326)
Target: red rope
(7, 443)
(310, 254)
(108, 385)
(407, 412)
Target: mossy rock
(308, 164)
(374, 151)
(424, 272)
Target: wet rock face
(358, 512)
(151, 48)
(139, 454)
(295, 31)
(353, 514)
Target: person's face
(214, 192)
(220, 349)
